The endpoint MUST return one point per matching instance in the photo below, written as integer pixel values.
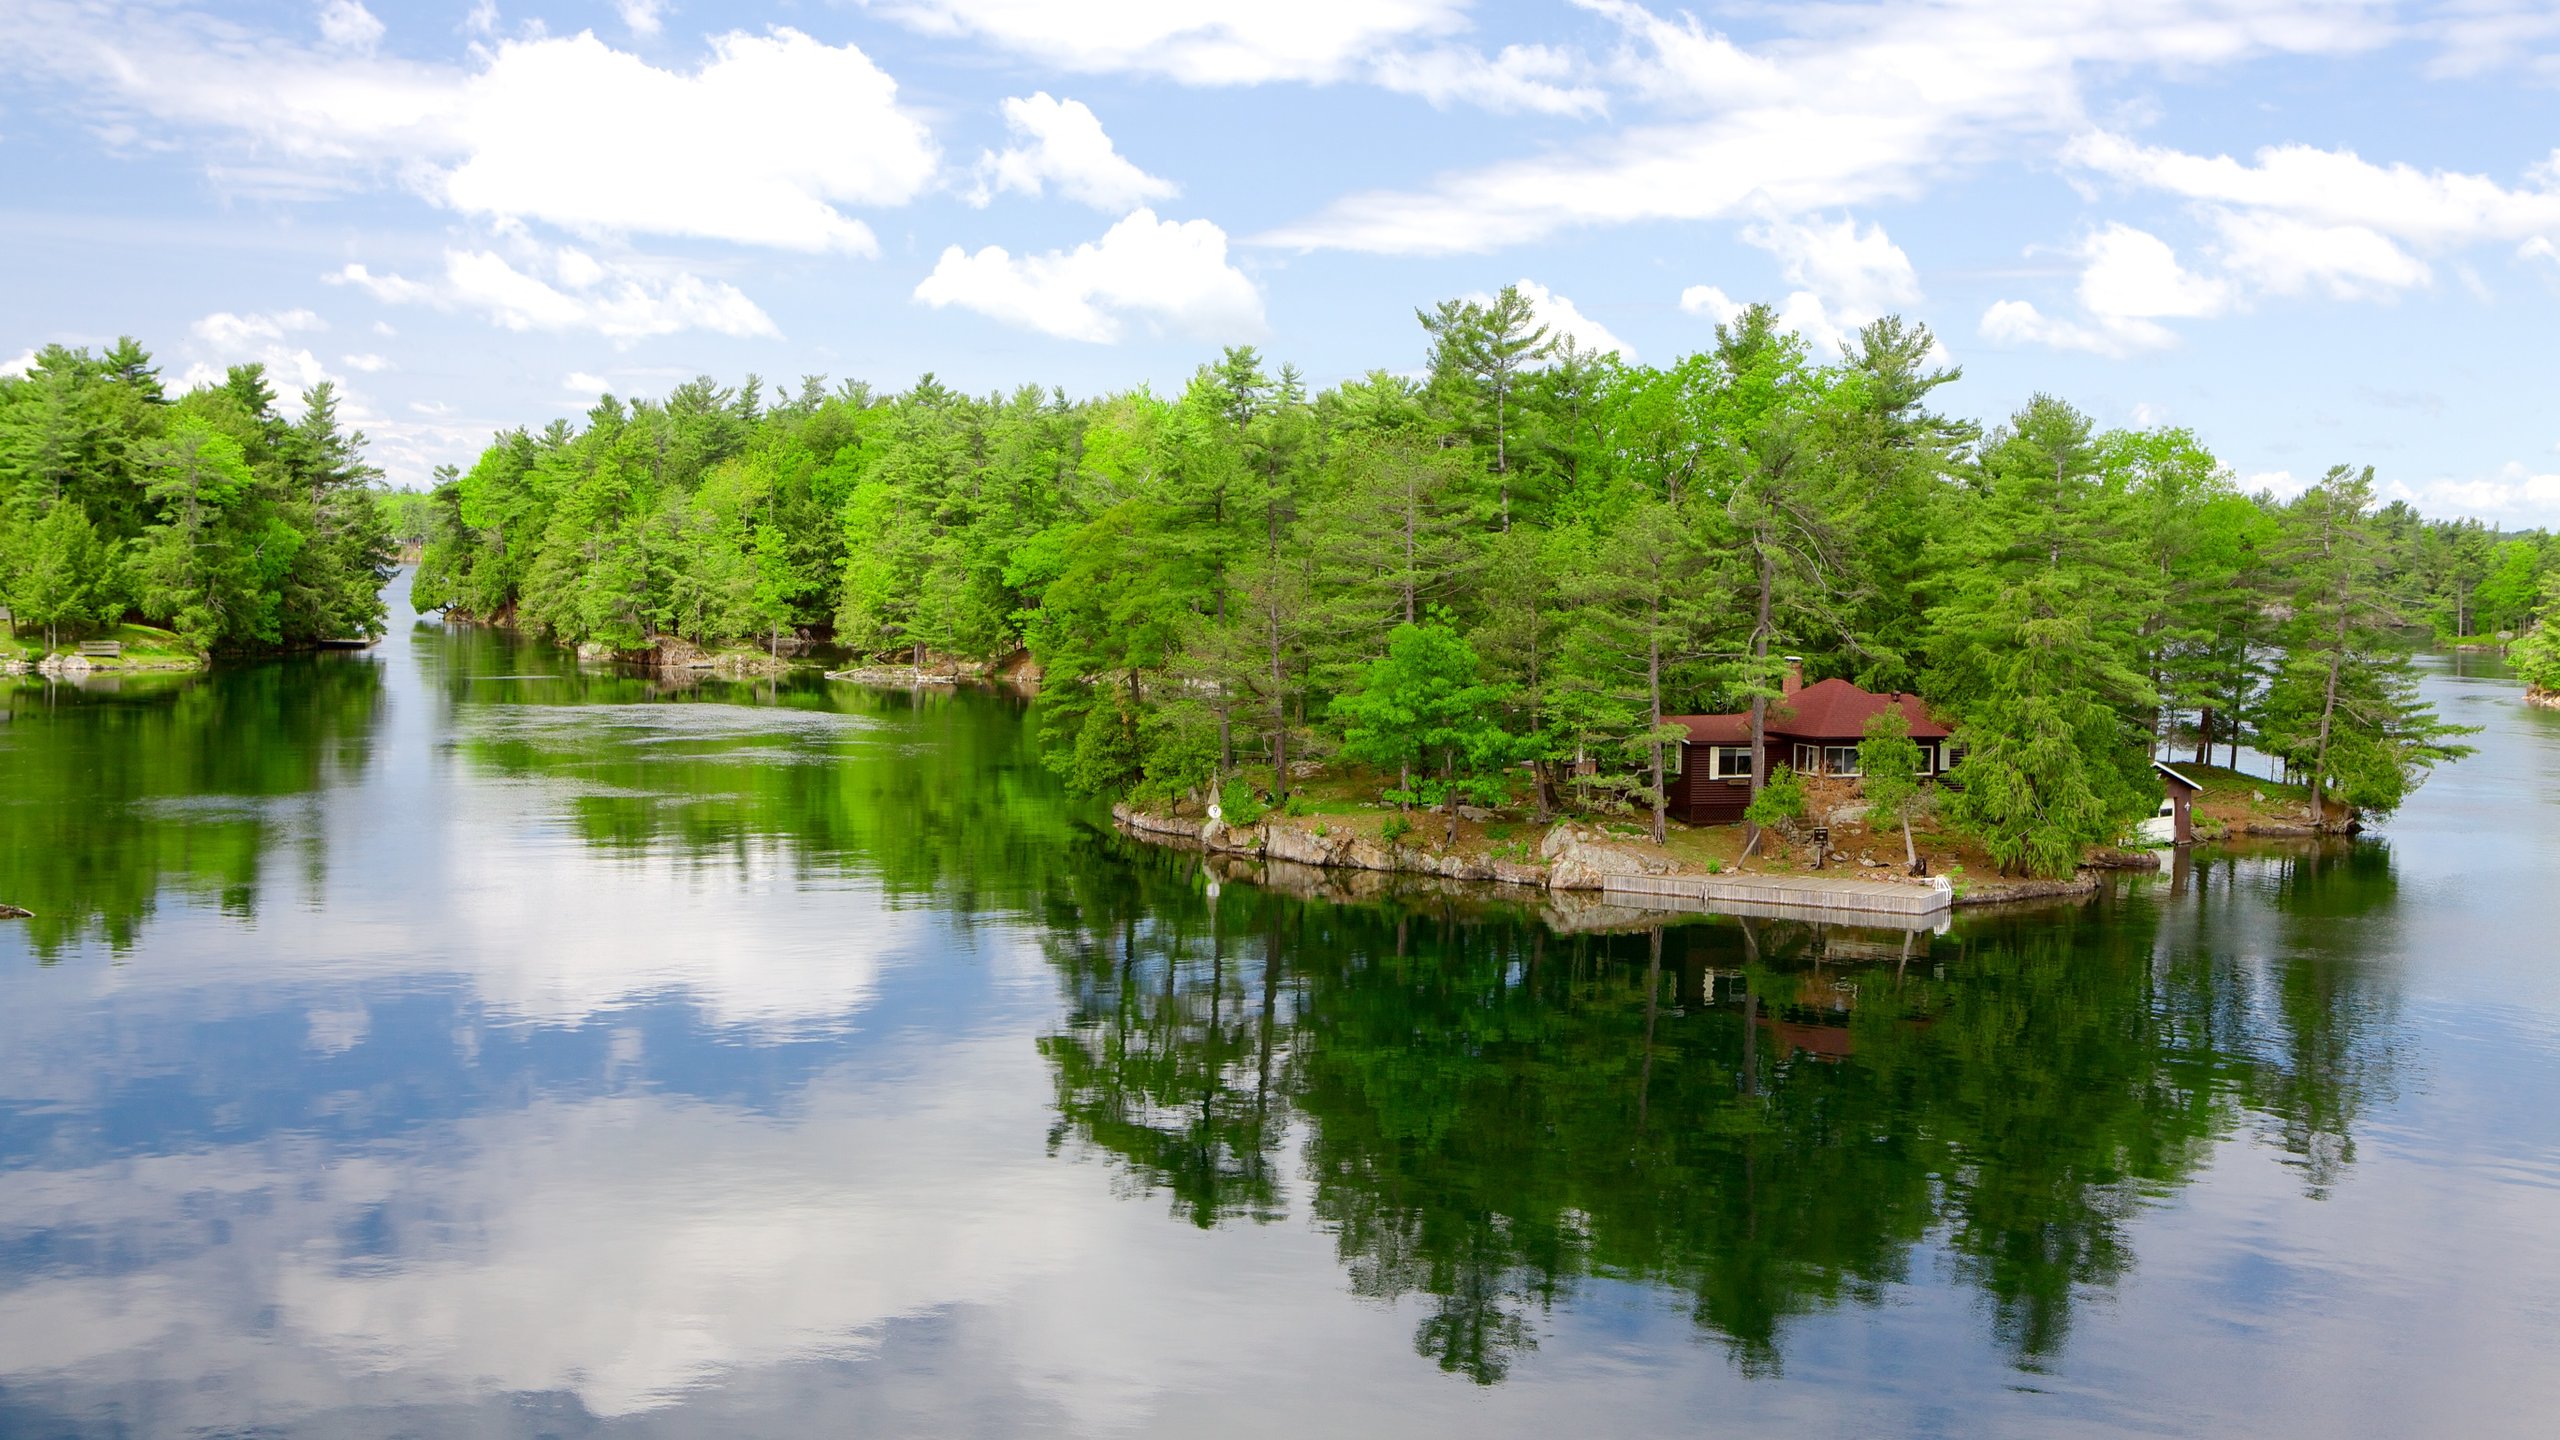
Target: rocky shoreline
(76, 667)
(2542, 699)
(1570, 858)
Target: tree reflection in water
(1768, 1118)
(125, 786)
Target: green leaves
(1421, 706)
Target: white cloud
(2286, 256)
(2130, 280)
(1562, 318)
(349, 26)
(2513, 494)
(1173, 273)
(642, 17)
(1848, 276)
(2337, 188)
(368, 363)
(1519, 77)
(755, 147)
(2019, 322)
(761, 144)
(583, 383)
(1708, 301)
(25, 362)
(2297, 219)
(1860, 273)
(1204, 42)
(622, 300)
(1064, 145)
(1397, 45)
(224, 331)
(2133, 273)
(1852, 106)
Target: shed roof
(2174, 775)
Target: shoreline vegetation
(1501, 582)
(178, 528)
(1564, 853)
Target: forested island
(176, 527)
(1493, 582)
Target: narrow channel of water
(456, 1040)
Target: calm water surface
(453, 1040)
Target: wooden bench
(101, 649)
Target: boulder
(12, 912)
(1579, 864)
(1302, 847)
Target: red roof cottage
(1813, 728)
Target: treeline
(209, 513)
(1521, 561)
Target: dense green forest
(210, 513)
(1524, 558)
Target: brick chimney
(1795, 676)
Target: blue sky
(2315, 231)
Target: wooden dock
(1803, 897)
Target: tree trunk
(2204, 735)
(2328, 710)
(1759, 703)
(1449, 794)
(1653, 690)
(1279, 716)
(1910, 852)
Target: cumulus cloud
(1563, 320)
(760, 144)
(566, 289)
(1846, 106)
(1173, 274)
(25, 361)
(368, 363)
(1711, 303)
(2130, 280)
(582, 382)
(1061, 143)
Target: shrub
(1396, 828)
(1297, 805)
(1780, 805)
(1241, 805)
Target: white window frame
(1808, 759)
(1729, 762)
(1848, 752)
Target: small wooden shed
(2182, 796)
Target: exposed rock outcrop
(2546, 699)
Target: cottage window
(1808, 760)
(1839, 759)
(1730, 762)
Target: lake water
(455, 1040)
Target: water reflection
(119, 791)
(459, 1039)
(1768, 1119)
